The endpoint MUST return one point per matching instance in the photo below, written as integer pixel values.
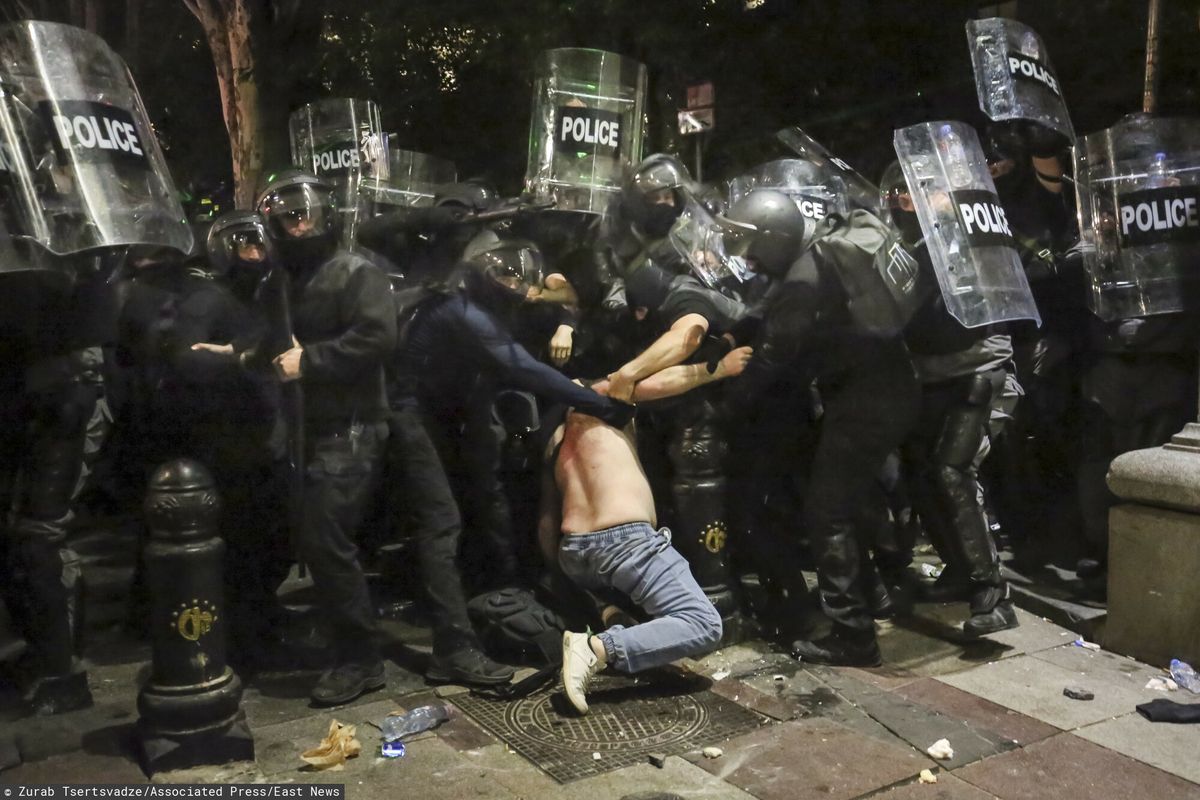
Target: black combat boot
(991, 611)
(843, 647)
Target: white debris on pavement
(941, 750)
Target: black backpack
(514, 627)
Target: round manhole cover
(611, 724)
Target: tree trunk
(226, 26)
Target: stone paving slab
(769, 705)
(100, 729)
(1033, 635)
(919, 725)
(277, 747)
(814, 698)
(957, 704)
(272, 698)
(514, 773)
(1170, 747)
(887, 676)
(1069, 767)
(1113, 670)
(1034, 687)
(812, 758)
(930, 642)
(947, 787)
(676, 776)
(77, 767)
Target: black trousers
(41, 455)
(343, 470)
(943, 455)
(470, 450)
(868, 413)
(433, 518)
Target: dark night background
(453, 77)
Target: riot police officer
(964, 373)
(867, 388)
(344, 328)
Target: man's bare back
(597, 479)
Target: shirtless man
(598, 522)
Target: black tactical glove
(1014, 137)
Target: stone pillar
(190, 709)
(1154, 552)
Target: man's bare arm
(681, 378)
(672, 347)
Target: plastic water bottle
(1185, 676)
(954, 157)
(419, 719)
(1160, 176)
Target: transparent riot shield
(1138, 199)
(413, 178)
(859, 192)
(80, 167)
(588, 108)
(966, 230)
(696, 236)
(1013, 75)
(341, 139)
(816, 193)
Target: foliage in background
(453, 77)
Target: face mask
(659, 219)
(908, 225)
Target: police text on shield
(1022, 66)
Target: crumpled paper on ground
(337, 746)
(1162, 685)
(927, 776)
(941, 750)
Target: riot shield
(341, 140)
(859, 192)
(966, 230)
(413, 178)
(1138, 198)
(1013, 75)
(80, 167)
(816, 193)
(696, 236)
(586, 127)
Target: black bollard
(190, 709)
(697, 451)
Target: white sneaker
(579, 666)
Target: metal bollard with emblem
(697, 452)
(190, 709)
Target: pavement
(827, 733)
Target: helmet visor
(300, 211)
(516, 269)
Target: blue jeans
(640, 562)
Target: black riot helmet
(238, 240)
(300, 211)
(654, 194)
(470, 195)
(766, 228)
(297, 205)
(502, 270)
(896, 200)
